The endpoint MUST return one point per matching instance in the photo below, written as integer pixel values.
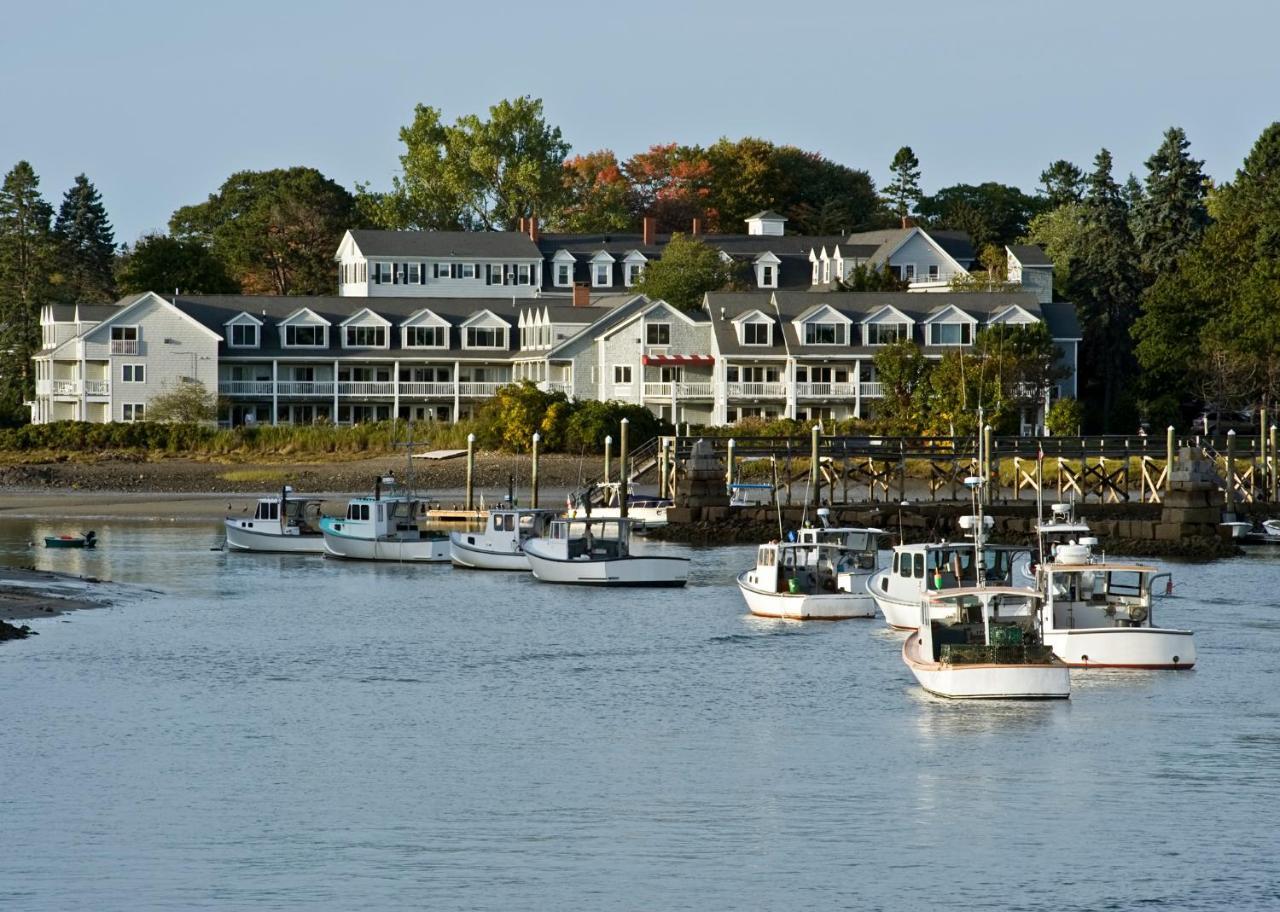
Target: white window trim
(836, 323)
(233, 326)
(960, 323)
(934, 272)
(904, 329)
(386, 335)
(903, 267)
(133, 368)
(656, 324)
(768, 331)
(406, 331)
(760, 275)
(137, 332)
(324, 335)
(499, 346)
(137, 412)
(595, 275)
(622, 367)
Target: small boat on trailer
(501, 545)
(83, 540)
(384, 528)
(806, 581)
(280, 524)
(596, 551)
(981, 643)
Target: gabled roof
(445, 244)
(365, 312)
(424, 316)
(811, 312)
(305, 312)
(1003, 316)
(875, 315)
(1029, 256)
(747, 315)
(123, 313)
(241, 317)
(950, 310)
(483, 315)
(766, 215)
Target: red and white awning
(691, 360)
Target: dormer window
(365, 337)
(814, 279)
(824, 334)
(602, 275)
(768, 276)
(424, 336)
(950, 334)
(486, 337)
(243, 335)
(305, 336)
(564, 275)
(634, 272)
(887, 333)
(757, 334)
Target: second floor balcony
(73, 388)
(358, 389)
(680, 389)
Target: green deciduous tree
(902, 193)
(903, 372)
(28, 257)
(1060, 233)
(163, 264)
(477, 173)
(991, 213)
(865, 278)
(275, 230)
(688, 269)
(86, 246)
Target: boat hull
(1123, 647)
(242, 538)
(662, 572)
(424, 550)
(987, 682)
(825, 606)
(53, 541)
(642, 518)
(477, 558)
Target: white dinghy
(279, 524)
(501, 545)
(597, 552)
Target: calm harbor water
(279, 732)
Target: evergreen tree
(1172, 215)
(1105, 284)
(27, 260)
(1063, 183)
(903, 192)
(164, 264)
(86, 245)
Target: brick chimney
(581, 294)
(533, 228)
(697, 227)
(908, 222)
(650, 231)
(521, 224)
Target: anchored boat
(806, 581)
(83, 540)
(981, 643)
(282, 523)
(385, 528)
(500, 546)
(644, 512)
(596, 551)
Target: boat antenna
(777, 504)
(1040, 498)
(975, 483)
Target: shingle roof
(1030, 255)
(767, 214)
(444, 244)
(1061, 319)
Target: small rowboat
(84, 540)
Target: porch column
(675, 414)
(275, 390)
(720, 394)
(395, 389)
(857, 387)
(335, 392)
(457, 390)
(84, 404)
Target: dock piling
(608, 446)
(623, 480)
(471, 466)
(533, 479)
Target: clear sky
(158, 102)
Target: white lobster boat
(644, 512)
(900, 588)
(597, 552)
(384, 528)
(981, 643)
(806, 582)
(283, 524)
(501, 545)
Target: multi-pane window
(411, 273)
(133, 411)
(950, 334)
(622, 373)
(564, 274)
(134, 373)
(381, 273)
(366, 337)
(886, 333)
(424, 336)
(657, 334)
(304, 336)
(824, 334)
(602, 274)
(933, 272)
(756, 334)
(909, 272)
(767, 277)
(244, 335)
(635, 272)
(486, 337)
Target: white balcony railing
(872, 390)
(306, 388)
(476, 389)
(366, 388)
(97, 387)
(657, 390)
(556, 386)
(244, 388)
(124, 346)
(758, 390)
(65, 387)
(695, 389)
(427, 390)
(825, 390)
